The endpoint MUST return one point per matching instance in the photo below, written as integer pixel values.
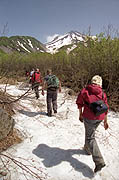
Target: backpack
(98, 107)
(36, 77)
(53, 81)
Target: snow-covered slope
(72, 37)
(53, 147)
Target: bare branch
(5, 30)
(28, 169)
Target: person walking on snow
(36, 81)
(92, 93)
(31, 73)
(52, 84)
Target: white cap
(97, 80)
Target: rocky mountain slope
(22, 44)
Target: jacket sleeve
(79, 100)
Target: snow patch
(23, 46)
(30, 44)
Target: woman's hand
(106, 126)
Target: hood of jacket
(94, 89)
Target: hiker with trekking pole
(36, 81)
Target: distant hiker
(52, 84)
(36, 81)
(31, 73)
(27, 74)
(92, 92)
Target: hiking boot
(55, 111)
(99, 167)
(87, 150)
(49, 114)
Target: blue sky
(44, 18)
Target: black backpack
(98, 107)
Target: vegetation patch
(99, 56)
(12, 139)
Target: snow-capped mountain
(27, 44)
(72, 37)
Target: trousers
(35, 87)
(90, 141)
(51, 100)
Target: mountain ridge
(22, 44)
(28, 44)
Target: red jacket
(36, 77)
(90, 94)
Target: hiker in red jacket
(89, 94)
(36, 81)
